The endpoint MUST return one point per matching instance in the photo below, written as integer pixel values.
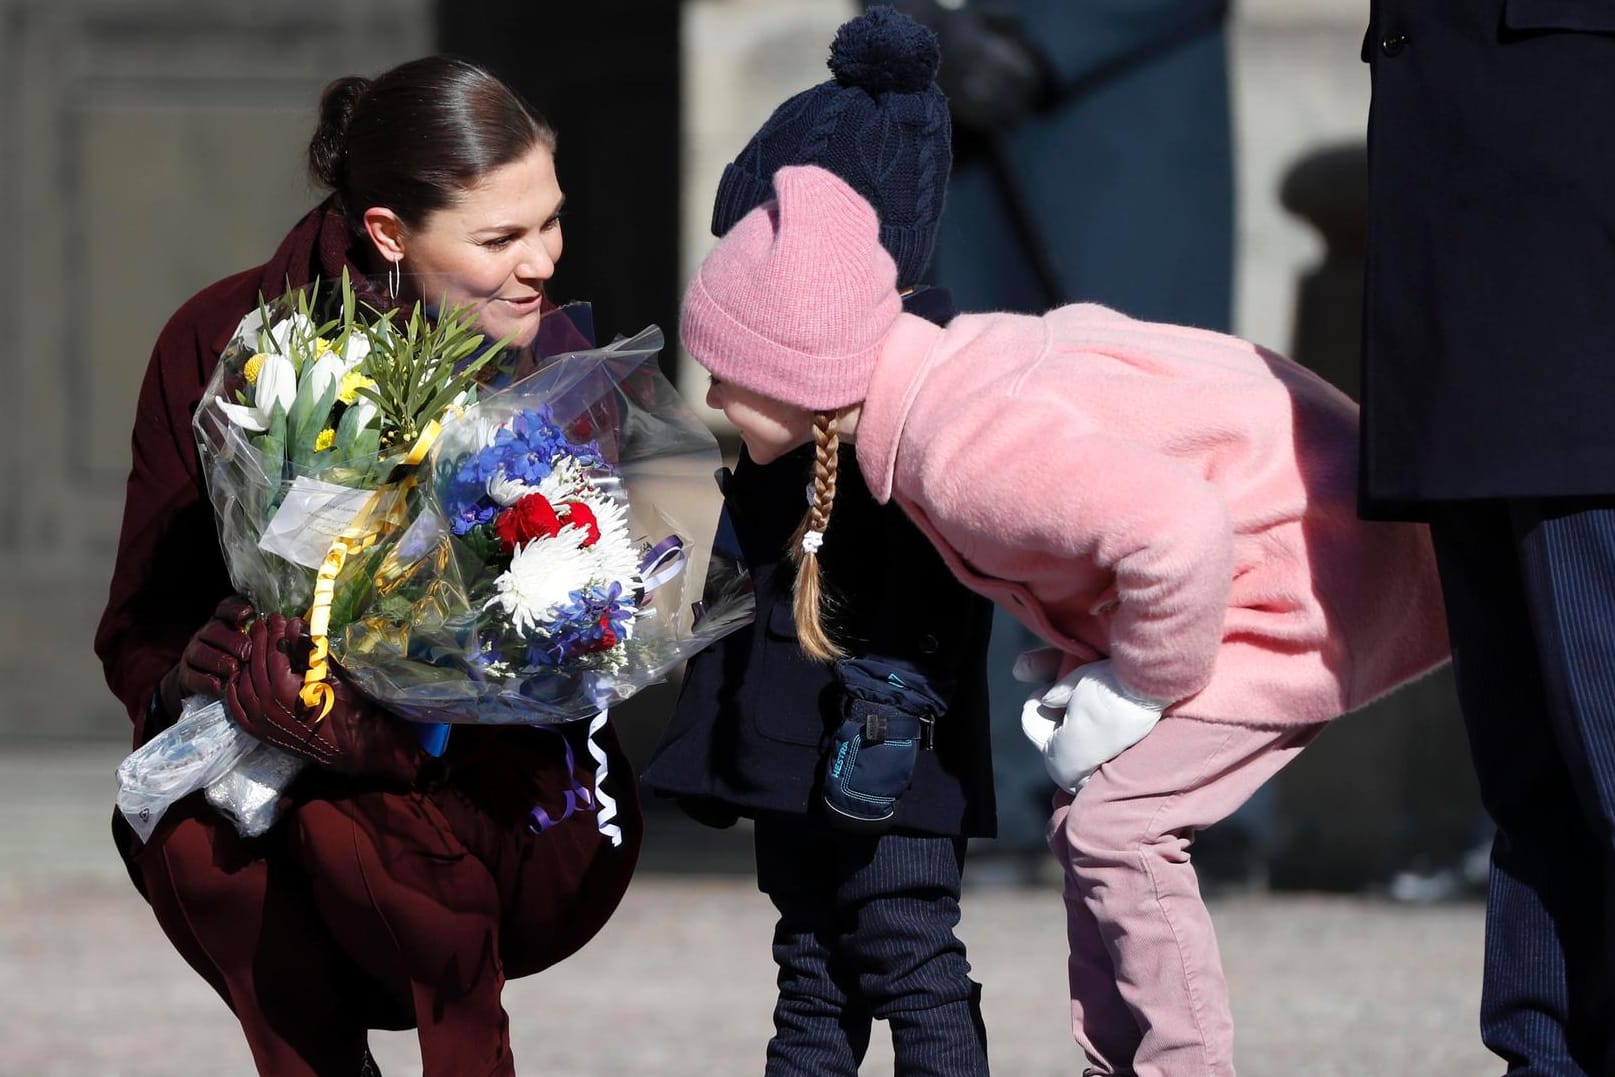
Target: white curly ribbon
(608, 806)
(811, 541)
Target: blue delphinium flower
(524, 449)
(596, 619)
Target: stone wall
(146, 149)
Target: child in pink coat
(1173, 510)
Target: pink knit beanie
(796, 300)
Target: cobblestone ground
(680, 982)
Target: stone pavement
(680, 982)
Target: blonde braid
(808, 592)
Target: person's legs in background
(1567, 549)
(1529, 608)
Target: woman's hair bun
(328, 150)
(885, 51)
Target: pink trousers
(1148, 996)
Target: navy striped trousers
(1530, 592)
(866, 932)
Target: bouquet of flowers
(551, 563)
(316, 401)
(341, 446)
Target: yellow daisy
(348, 390)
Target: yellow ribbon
(356, 537)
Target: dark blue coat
(1125, 173)
(1489, 342)
(754, 717)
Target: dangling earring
(395, 278)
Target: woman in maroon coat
(399, 890)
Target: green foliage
(415, 370)
(478, 551)
(354, 587)
(395, 608)
(308, 417)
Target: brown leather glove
(211, 657)
(356, 737)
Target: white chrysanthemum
(545, 574)
(486, 430)
(506, 492)
(566, 482)
(541, 579)
(615, 553)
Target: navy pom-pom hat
(881, 124)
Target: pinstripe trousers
(866, 932)
(1530, 592)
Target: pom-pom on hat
(797, 299)
(881, 124)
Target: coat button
(1393, 44)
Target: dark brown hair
(414, 137)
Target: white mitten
(1083, 720)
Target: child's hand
(1083, 720)
(1041, 665)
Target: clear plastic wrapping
(478, 535)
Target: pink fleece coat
(1180, 501)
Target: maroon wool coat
(170, 574)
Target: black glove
(211, 658)
(888, 709)
(356, 737)
(992, 76)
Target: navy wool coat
(1489, 343)
(754, 717)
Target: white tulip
(363, 410)
(276, 384)
(247, 330)
(323, 372)
(355, 349)
(292, 328)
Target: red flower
(580, 515)
(530, 518)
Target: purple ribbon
(662, 562)
(577, 797)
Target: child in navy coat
(863, 757)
